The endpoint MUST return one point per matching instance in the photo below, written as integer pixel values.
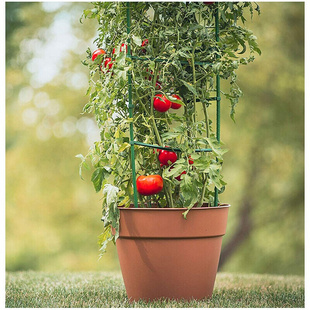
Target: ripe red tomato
(96, 53)
(144, 43)
(175, 105)
(179, 177)
(190, 160)
(150, 184)
(208, 3)
(161, 103)
(167, 157)
(108, 62)
(122, 48)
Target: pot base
(158, 268)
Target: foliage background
(53, 217)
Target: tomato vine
(174, 52)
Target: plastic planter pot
(163, 255)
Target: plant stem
(167, 189)
(152, 107)
(205, 111)
(204, 186)
(143, 106)
(152, 31)
(194, 80)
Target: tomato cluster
(168, 158)
(162, 104)
(107, 61)
(151, 184)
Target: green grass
(106, 290)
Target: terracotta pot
(163, 255)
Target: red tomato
(175, 105)
(108, 62)
(150, 184)
(208, 3)
(167, 157)
(190, 160)
(122, 49)
(179, 177)
(96, 53)
(144, 43)
(161, 103)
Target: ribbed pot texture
(163, 255)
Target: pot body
(163, 255)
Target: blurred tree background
(53, 217)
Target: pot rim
(220, 206)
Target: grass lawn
(106, 290)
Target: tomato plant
(172, 60)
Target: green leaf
(170, 135)
(104, 238)
(189, 190)
(190, 87)
(123, 147)
(215, 176)
(137, 40)
(172, 99)
(174, 171)
(216, 146)
(80, 156)
(110, 205)
(97, 178)
(110, 191)
(82, 165)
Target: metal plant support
(131, 106)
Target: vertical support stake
(218, 98)
(132, 147)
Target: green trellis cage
(217, 99)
